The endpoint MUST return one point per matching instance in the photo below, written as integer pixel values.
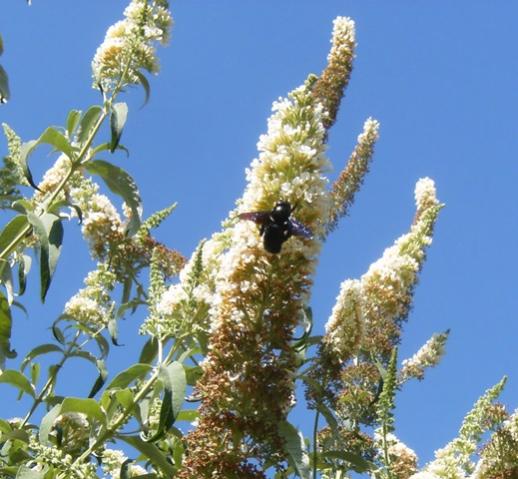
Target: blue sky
(441, 77)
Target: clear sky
(441, 77)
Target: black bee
(276, 226)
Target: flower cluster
(258, 297)
(335, 77)
(74, 431)
(499, 457)
(388, 285)
(379, 301)
(184, 306)
(128, 46)
(402, 459)
(114, 460)
(11, 174)
(429, 355)
(102, 224)
(351, 177)
(344, 327)
(455, 459)
(59, 461)
(93, 305)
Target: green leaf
(24, 266)
(120, 183)
(25, 150)
(193, 374)
(151, 452)
(145, 84)
(57, 333)
(188, 415)
(89, 406)
(296, 448)
(126, 377)
(174, 379)
(166, 418)
(103, 345)
(49, 230)
(357, 463)
(5, 427)
(47, 423)
(113, 331)
(5, 331)
(1, 45)
(11, 230)
(56, 207)
(117, 122)
(101, 379)
(22, 205)
(85, 355)
(6, 278)
(88, 122)
(38, 351)
(175, 382)
(5, 94)
(149, 351)
(328, 415)
(125, 398)
(73, 121)
(35, 373)
(106, 147)
(55, 138)
(18, 380)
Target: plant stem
(50, 381)
(315, 445)
(48, 202)
(110, 431)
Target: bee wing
(259, 217)
(298, 229)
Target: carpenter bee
(276, 226)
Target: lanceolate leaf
(88, 121)
(296, 449)
(5, 331)
(149, 351)
(120, 183)
(151, 452)
(49, 230)
(25, 150)
(24, 266)
(125, 378)
(117, 122)
(174, 380)
(38, 351)
(6, 278)
(101, 379)
(145, 84)
(5, 94)
(73, 121)
(113, 330)
(11, 230)
(106, 147)
(55, 138)
(47, 424)
(358, 463)
(18, 380)
(90, 407)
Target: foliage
(221, 334)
